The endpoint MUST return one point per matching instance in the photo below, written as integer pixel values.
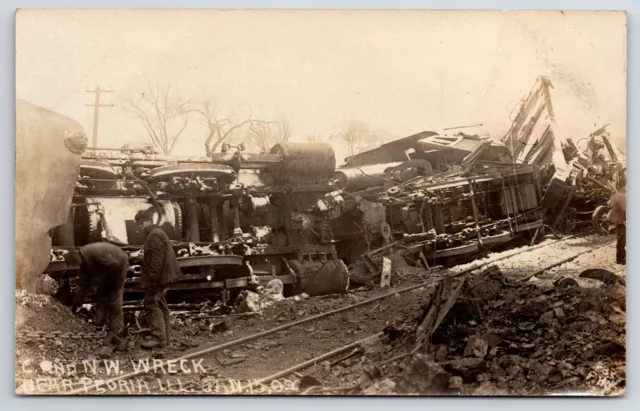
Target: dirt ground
(533, 338)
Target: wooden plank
(425, 263)
(448, 305)
(385, 278)
(423, 332)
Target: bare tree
(221, 128)
(312, 138)
(283, 128)
(261, 136)
(163, 115)
(359, 135)
(352, 137)
(267, 134)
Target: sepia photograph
(320, 202)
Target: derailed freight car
(440, 204)
(237, 220)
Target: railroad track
(583, 249)
(543, 252)
(530, 259)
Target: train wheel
(600, 222)
(569, 223)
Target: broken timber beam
(371, 265)
(437, 311)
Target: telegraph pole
(96, 110)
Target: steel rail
(314, 360)
(358, 343)
(559, 263)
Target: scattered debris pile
(498, 338)
(47, 332)
(578, 180)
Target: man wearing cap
(103, 270)
(159, 268)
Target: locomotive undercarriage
(227, 236)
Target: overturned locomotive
(236, 219)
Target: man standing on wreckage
(159, 268)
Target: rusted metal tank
(361, 178)
(321, 277)
(303, 162)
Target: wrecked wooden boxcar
(438, 198)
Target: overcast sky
(400, 71)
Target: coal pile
(44, 329)
(502, 338)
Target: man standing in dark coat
(103, 270)
(159, 268)
(618, 216)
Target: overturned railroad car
(237, 220)
(444, 216)
(438, 204)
